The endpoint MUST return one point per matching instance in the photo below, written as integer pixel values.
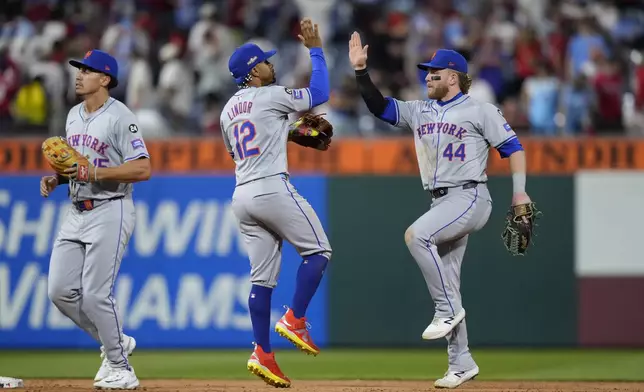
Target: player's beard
(438, 92)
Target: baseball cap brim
(269, 54)
(80, 64)
(428, 66)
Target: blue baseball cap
(99, 61)
(446, 58)
(245, 58)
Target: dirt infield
(334, 386)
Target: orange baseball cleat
(296, 331)
(263, 365)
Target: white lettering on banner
(153, 303)
(167, 228)
(20, 226)
(38, 304)
(5, 199)
(13, 306)
(167, 220)
(209, 214)
(174, 229)
(199, 303)
(215, 307)
(123, 293)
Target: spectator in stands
(481, 88)
(140, 87)
(487, 58)
(528, 54)
(9, 85)
(638, 88)
(343, 109)
(575, 106)
(540, 99)
(608, 83)
(503, 40)
(176, 89)
(120, 39)
(48, 66)
(581, 46)
(31, 106)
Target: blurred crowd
(554, 67)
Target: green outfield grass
(507, 364)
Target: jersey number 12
(244, 134)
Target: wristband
(518, 182)
(62, 179)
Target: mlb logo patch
(137, 143)
(507, 127)
(298, 94)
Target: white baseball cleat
(441, 326)
(454, 379)
(119, 379)
(129, 343)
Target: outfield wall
(184, 281)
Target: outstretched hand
(47, 184)
(310, 35)
(357, 53)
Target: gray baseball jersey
(267, 206)
(90, 244)
(108, 137)
(452, 141)
(254, 126)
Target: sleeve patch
(297, 94)
(507, 127)
(133, 128)
(137, 143)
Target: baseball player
(87, 252)
(268, 208)
(452, 134)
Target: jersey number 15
(244, 134)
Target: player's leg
(108, 231)
(462, 366)
(459, 355)
(293, 218)
(64, 284)
(265, 254)
(304, 231)
(450, 217)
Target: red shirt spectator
(528, 54)
(639, 87)
(558, 42)
(608, 84)
(9, 83)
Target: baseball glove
(519, 228)
(311, 130)
(60, 156)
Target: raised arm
(319, 86)
(287, 100)
(381, 107)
